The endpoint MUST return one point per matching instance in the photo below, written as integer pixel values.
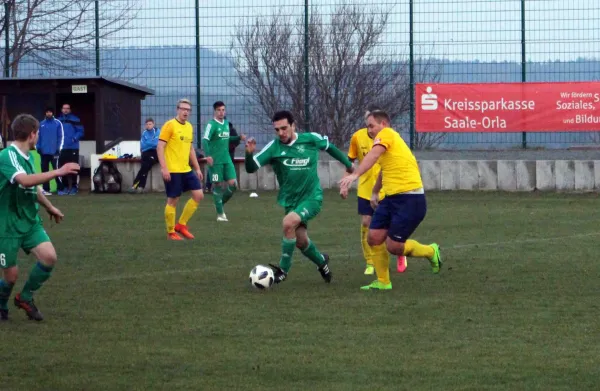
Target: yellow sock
(188, 210)
(367, 250)
(381, 258)
(170, 212)
(412, 248)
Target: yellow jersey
(360, 144)
(398, 164)
(179, 139)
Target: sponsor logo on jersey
(296, 162)
(224, 134)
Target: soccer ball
(261, 277)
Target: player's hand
(374, 200)
(344, 193)
(199, 174)
(69, 168)
(55, 214)
(209, 161)
(165, 174)
(250, 145)
(347, 181)
(243, 137)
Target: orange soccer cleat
(174, 236)
(183, 230)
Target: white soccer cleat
(222, 217)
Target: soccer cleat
(324, 269)
(436, 260)
(401, 264)
(183, 230)
(47, 193)
(369, 270)
(3, 314)
(74, 190)
(173, 236)
(377, 285)
(222, 217)
(29, 307)
(278, 273)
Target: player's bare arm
(160, 152)
(38, 179)
(54, 212)
(249, 162)
(194, 163)
(376, 190)
(368, 162)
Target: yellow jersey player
(176, 156)
(404, 207)
(360, 144)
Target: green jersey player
(215, 142)
(294, 158)
(20, 224)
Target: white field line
(215, 265)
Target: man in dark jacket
(73, 132)
(232, 146)
(49, 145)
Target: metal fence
(324, 59)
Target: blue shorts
(364, 207)
(400, 214)
(182, 182)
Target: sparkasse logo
(429, 100)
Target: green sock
(228, 193)
(5, 290)
(39, 274)
(218, 199)
(287, 249)
(313, 254)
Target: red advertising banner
(508, 107)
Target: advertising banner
(508, 107)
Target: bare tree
(349, 69)
(59, 35)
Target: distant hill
(171, 72)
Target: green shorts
(9, 247)
(307, 210)
(222, 172)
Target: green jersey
(18, 205)
(216, 141)
(295, 165)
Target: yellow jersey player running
(175, 154)
(360, 144)
(404, 207)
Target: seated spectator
(148, 144)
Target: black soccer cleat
(324, 269)
(29, 307)
(3, 314)
(278, 273)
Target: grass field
(515, 307)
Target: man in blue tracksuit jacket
(148, 144)
(73, 132)
(50, 143)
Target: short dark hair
(372, 108)
(283, 114)
(23, 125)
(149, 119)
(49, 109)
(380, 115)
(218, 104)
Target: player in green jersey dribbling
(215, 142)
(294, 158)
(20, 224)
